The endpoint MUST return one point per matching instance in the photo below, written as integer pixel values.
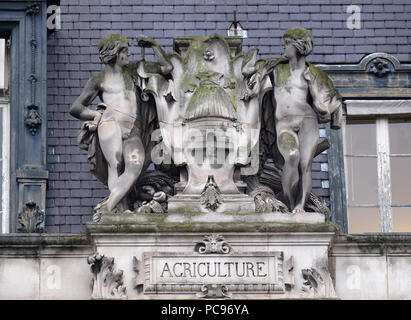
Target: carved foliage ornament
(317, 281)
(211, 195)
(213, 243)
(31, 219)
(214, 291)
(107, 282)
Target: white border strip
(4, 104)
(373, 107)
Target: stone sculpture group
(192, 132)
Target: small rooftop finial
(236, 29)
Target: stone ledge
(372, 244)
(208, 227)
(16, 240)
(152, 223)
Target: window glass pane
(363, 220)
(362, 181)
(360, 138)
(401, 180)
(401, 219)
(400, 136)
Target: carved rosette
(107, 282)
(31, 219)
(379, 67)
(213, 243)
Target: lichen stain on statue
(206, 99)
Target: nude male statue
(304, 96)
(116, 120)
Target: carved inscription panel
(188, 272)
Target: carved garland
(33, 119)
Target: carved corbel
(107, 282)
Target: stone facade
(72, 190)
(55, 266)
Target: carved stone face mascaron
(208, 54)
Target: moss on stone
(287, 141)
(112, 37)
(42, 240)
(188, 84)
(125, 223)
(98, 79)
(128, 80)
(195, 51)
(322, 79)
(283, 73)
(152, 67)
(298, 33)
(210, 100)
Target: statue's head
(113, 48)
(298, 40)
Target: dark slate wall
(73, 58)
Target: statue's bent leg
(308, 136)
(133, 153)
(111, 144)
(288, 146)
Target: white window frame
(381, 109)
(5, 159)
(5, 139)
